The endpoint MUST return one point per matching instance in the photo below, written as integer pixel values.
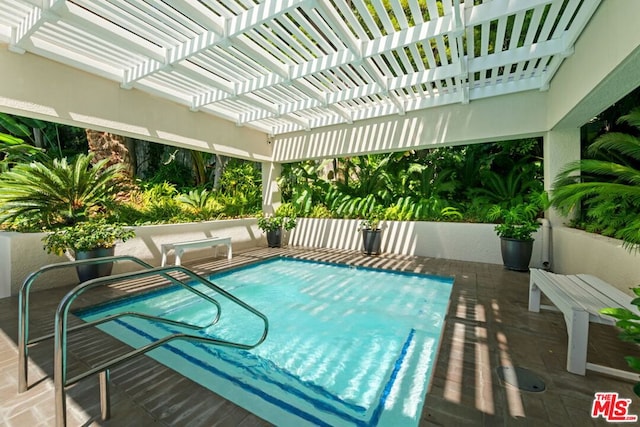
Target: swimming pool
(346, 346)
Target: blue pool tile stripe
(304, 391)
(392, 379)
(251, 389)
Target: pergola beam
(233, 28)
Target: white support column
(560, 147)
(270, 191)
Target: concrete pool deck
(487, 326)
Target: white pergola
(286, 65)
(282, 80)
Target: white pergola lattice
(286, 65)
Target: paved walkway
(488, 326)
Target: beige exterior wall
(602, 69)
(578, 252)
(26, 254)
(448, 240)
(503, 117)
(573, 251)
(36, 87)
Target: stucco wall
(98, 103)
(22, 253)
(450, 240)
(572, 251)
(575, 251)
(513, 116)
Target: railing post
(23, 339)
(60, 361)
(105, 397)
(23, 309)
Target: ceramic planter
(371, 241)
(516, 254)
(88, 272)
(274, 238)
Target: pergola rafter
(286, 65)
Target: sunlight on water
(345, 346)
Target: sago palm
(607, 188)
(57, 192)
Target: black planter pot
(93, 271)
(516, 254)
(274, 238)
(371, 240)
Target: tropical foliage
(86, 236)
(604, 190)
(57, 192)
(56, 139)
(517, 222)
(446, 184)
(13, 150)
(284, 217)
(629, 322)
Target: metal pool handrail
(60, 336)
(23, 309)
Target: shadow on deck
(487, 326)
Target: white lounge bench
(580, 299)
(181, 247)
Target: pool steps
(61, 328)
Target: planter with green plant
(273, 225)
(88, 239)
(371, 233)
(515, 229)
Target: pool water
(346, 346)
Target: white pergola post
(560, 147)
(270, 191)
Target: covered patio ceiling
(282, 66)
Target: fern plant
(517, 222)
(59, 192)
(607, 188)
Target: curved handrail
(23, 308)
(60, 333)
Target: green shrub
(629, 322)
(86, 236)
(58, 192)
(320, 211)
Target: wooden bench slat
(613, 293)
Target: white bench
(181, 247)
(580, 299)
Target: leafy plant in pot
(371, 233)
(516, 228)
(273, 226)
(88, 239)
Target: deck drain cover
(522, 378)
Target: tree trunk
(143, 158)
(106, 145)
(37, 138)
(199, 167)
(221, 162)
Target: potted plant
(88, 239)
(273, 226)
(371, 233)
(515, 229)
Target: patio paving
(487, 326)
